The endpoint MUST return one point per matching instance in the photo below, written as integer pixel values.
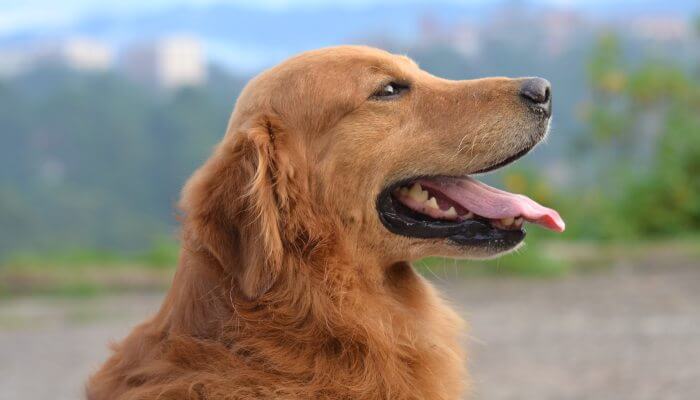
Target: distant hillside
(93, 161)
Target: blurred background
(107, 107)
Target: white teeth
(519, 221)
(507, 221)
(417, 193)
(432, 203)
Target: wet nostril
(536, 90)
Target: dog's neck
(204, 298)
(340, 319)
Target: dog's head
(362, 147)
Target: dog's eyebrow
(390, 72)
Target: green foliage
(636, 194)
(162, 254)
(656, 82)
(93, 161)
(604, 68)
(669, 195)
(66, 257)
(87, 272)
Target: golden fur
(288, 286)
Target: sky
(18, 15)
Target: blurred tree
(93, 161)
(649, 119)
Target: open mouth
(462, 210)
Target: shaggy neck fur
(322, 332)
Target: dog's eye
(389, 91)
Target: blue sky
(18, 15)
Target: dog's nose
(537, 92)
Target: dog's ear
(233, 205)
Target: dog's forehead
(323, 81)
(352, 59)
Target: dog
(338, 168)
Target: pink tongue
(493, 203)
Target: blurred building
(168, 63)
(15, 61)
(560, 29)
(82, 54)
(662, 28)
(463, 37)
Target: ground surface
(626, 333)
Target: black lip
(476, 232)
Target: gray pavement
(630, 333)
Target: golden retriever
(338, 168)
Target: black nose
(537, 92)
